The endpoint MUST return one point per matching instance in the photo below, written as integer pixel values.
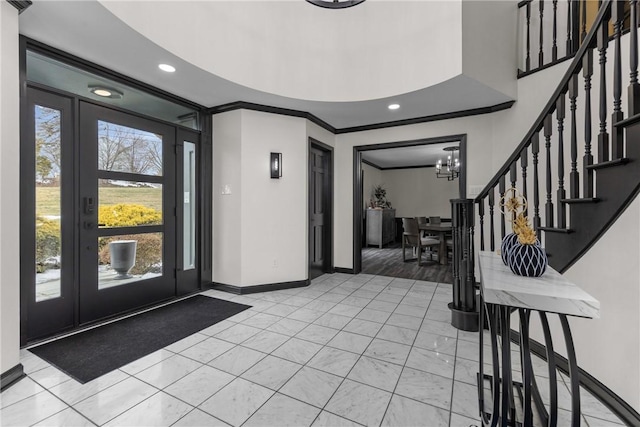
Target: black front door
(319, 212)
(127, 230)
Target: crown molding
(238, 105)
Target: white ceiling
(418, 155)
(86, 29)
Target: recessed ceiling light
(393, 106)
(166, 67)
(101, 92)
(105, 92)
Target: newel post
(464, 311)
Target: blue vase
(508, 242)
(528, 260)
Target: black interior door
(127, 209)
(319, 212)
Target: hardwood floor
(388, 262)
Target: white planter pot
(123, 256)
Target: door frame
(328, 150)
(357, 181)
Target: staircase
(579, 164)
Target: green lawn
(48, 198)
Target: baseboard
(604, 394)
(343, 270)
(241, 290)
(11, 376)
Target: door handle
(88, 225)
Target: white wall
(375, 50)
(260, 229)
(609, 348)
(485, 23)
(371, 177)
(418, 192)
(9, 189)
(227, 208)
(274, 211)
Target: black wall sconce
(276, 165)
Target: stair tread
(556, 230)
(609, 164)
(581, 200)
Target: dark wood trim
(373, 165)
(21, 5)
(11, 376)
(431, 118)
(600, 391)
(242, 105)
(461, 139)
(370, 163)
(344, 270)
(267, 287)
(522, 74)
(24, 234)
(296, 113)
(44, 49)
(205, 212)
(357, 211)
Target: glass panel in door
(48, 242)
(189, 206)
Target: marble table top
(551, 292)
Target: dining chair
(411, 237)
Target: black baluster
(603, 136)
(587, 159)
(583, 10)
(481, 214)
(617, 138)
(541, 52)
(535, 149)
(513, 173)
(569, 43)
(492, 231)
(502, 188)
(527, 61)
(574, 176)
(634, 88)
(554, 48)
(548, 131)
(561, 194)
(523, 164)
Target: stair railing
(578, 110)
(551, 31)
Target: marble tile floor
(345, 351)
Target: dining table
(442, 230)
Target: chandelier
(335, 4)
(452, 170)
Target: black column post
(464, 311)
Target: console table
(504, 293)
